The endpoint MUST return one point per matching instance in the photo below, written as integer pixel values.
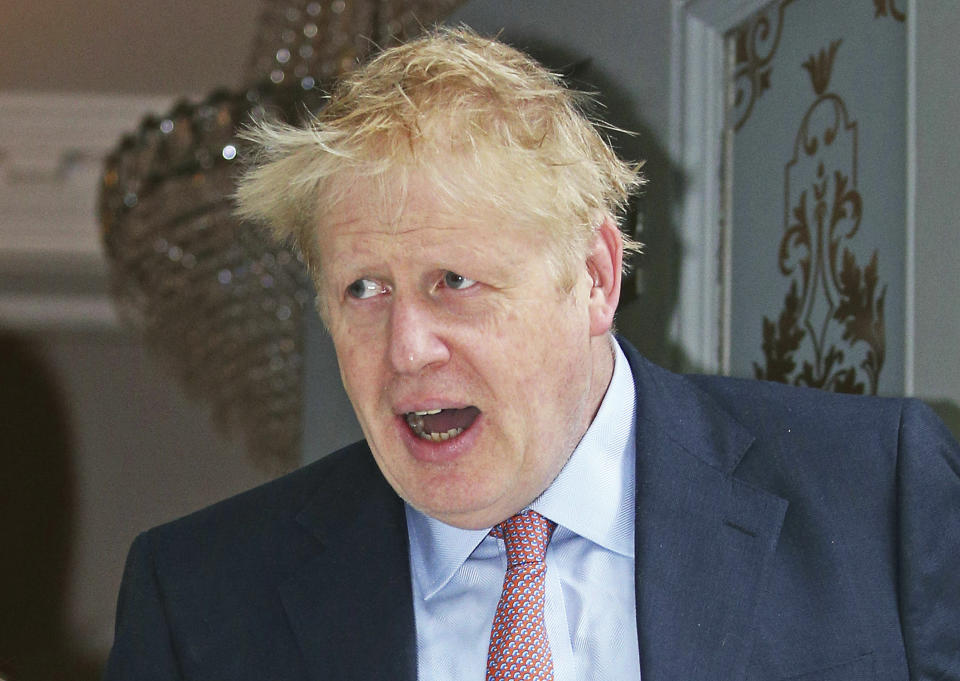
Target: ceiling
(173, 47)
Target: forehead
(411, 211)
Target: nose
(416, 341)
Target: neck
(603, 361)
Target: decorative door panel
(815, 186)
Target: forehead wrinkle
(422, 224)
(419, 210)
(450, 182)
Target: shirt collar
(593, 496)
(603, 460)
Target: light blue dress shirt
(590, 607)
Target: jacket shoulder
(263, 516)
(759, 403)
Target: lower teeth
(440, 437)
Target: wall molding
(52, 147)
(697, 128)
(910, 241)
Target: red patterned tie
(519, 647)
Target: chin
(462, 504)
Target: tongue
(449, 419)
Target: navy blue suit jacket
(781, 533)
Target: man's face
(473, 375)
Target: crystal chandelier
(214, 296)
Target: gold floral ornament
(829, 294)
(755, 43)
(221, 302)
(883, 8)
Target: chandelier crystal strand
(321, 39)
(216, 298)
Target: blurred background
(116, 359)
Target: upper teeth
(415, 420)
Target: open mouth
(439, 425)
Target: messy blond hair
(488, 126)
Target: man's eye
(457, 281)
(364, 288)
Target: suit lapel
(704, 540)
(350, 606)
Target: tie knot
(526, 536)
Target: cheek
(358, 366)
(350, 370)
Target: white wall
(138, 453)
(627, 42)
(937, 297)
(143, 454)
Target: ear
(604, 265)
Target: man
(457, 213)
